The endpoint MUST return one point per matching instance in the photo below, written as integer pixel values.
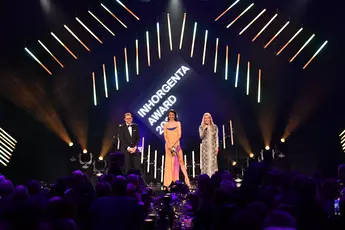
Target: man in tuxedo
(129, 137)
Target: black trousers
(132, 161)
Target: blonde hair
(203, 119)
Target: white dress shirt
(129, 126)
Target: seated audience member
(280, 220)
(103, 189)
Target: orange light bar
(88, 30)
(274, 37)
(66, 48)
(38, 61)
(293, 37)
(112, 14)
(300, 50)
(226, 62)
(51, 54)
(316, 53)
(265, 26)
(225, 11)
(238, 17)
(76, 37)
(129, 11)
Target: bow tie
(129, 125)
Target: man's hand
(134, 149)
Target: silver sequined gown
(208, 154)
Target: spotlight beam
(51, 54)
(63, 45)
(316, 53)
(264, 28)
(88, 30)
(229, 8)
(300, 50)
(112, 14)
(76, 37)
(128, 10)
(169, 30)
(100, 22)
(38, 61)
(276, 35)
(292, 38)
(193, 40)
(205, 48)
(182, 29)
(238, 17)
(256, 18)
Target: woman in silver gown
(208, 132)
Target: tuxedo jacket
(126, 140)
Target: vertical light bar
(185, 161)
(237, 69)
(148, 48)
(316, 53)
(226, 61)
(116, 75)
(259, 87)
(256, 18)
(94, 89)
(238, 17)
(148, 158)
(51, 54)
(293, 37)
(182, 30)
(216, 56)
(224, 145)
(128, 10)
(169, 30)
(159, 41)
(142, 150)
(38, 61)
(100, 22)
(265, 27)
(274, 37)
(105, 82)
(225, 11)
(126, 64)
(304, 45)
(155, 166)
(63, 45)
(88, 30)
(137, 55)
(193, 163)
(76, 37)
(112, 14)
(231, 133)
(193, 41)
(205, 48)
(248, 77)
(118, 143)
(162, 169)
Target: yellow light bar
(148, 48)
(88, 30)
(8, 141)
(4, 151)
(8, 135)
(342, 133)
(259, 87)
(248, 77)
(221, 15)
(237, 69)
(256, 18)
(159, 41)
(238, 17)
(316, 53)
(205, 48)
(123, 5)
(265, 26)
(3, 144)
(100, 22)
(126, 64)
(304, 45)
(182, 30)
(193, 41)
(94, 89)
(216, 56)
(76, 37)
(292, 38)
(137, 55)
(274, 37)
(169, 30)
(116, 75)
(38, 61)
(105, 82)
(51, 54)
(226, 61)
(112, 14)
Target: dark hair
(174, 112)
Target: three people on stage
(129, 138)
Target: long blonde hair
(203, 119)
